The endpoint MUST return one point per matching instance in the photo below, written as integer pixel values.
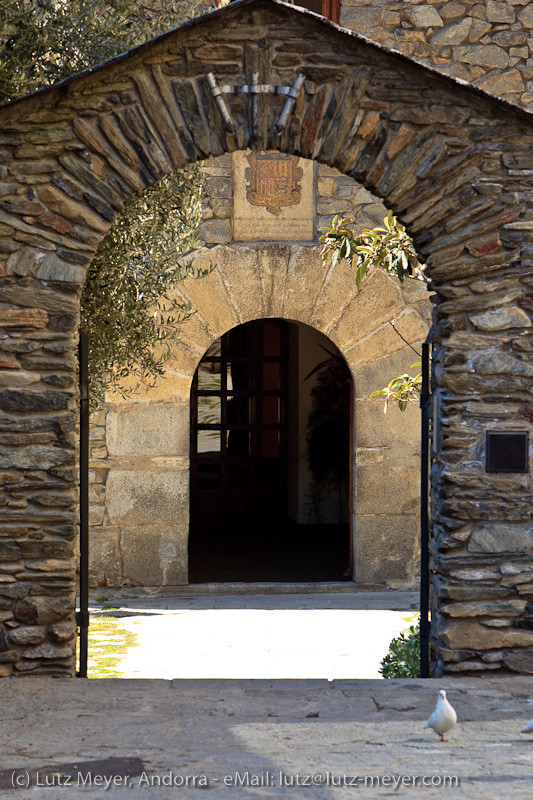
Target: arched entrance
(451, 161)
(270, 457)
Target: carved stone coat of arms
(273, 180)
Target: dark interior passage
(285, 553)
(241, 529)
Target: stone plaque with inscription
(273, 197)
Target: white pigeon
(529, 727)
(443, 718)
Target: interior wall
(310, 353)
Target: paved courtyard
(252, 737)
(263, 739)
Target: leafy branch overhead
(392, 249)
(128, 307)
(389, 247)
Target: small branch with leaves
(403, 390)
(390, 248)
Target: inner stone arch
(142, 493)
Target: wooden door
(238, 431)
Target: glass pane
(271, 339)
(209, 476)
(238, 377)
(208, 444)
(270, 444)
(214, 350)
(270, 410)
(209, 378)
(238, 410)
(271, 376)
(238, 444)
(209, 410)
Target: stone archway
(454, 165)
(147, 445)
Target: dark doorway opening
(245, 401)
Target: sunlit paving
(254, 638)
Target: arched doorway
(427, 153)
(270, 457)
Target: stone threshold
(235, 589)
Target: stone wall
(139, 526)
(488, 44)
(453, 163)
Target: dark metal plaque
(507, 451)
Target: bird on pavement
(443, 718)
(529, 727)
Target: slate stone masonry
(454, 164)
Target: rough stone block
(148, 429)
(460, 634)
(384, 489)
(154, 556)
(384, 548)
(148, 496)
(43, 610)
(103, 549)
(497, 608)
(502, 538)
(520, 660)
(500, 319)
(215, 231)
(30, 634)
(453, 34)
